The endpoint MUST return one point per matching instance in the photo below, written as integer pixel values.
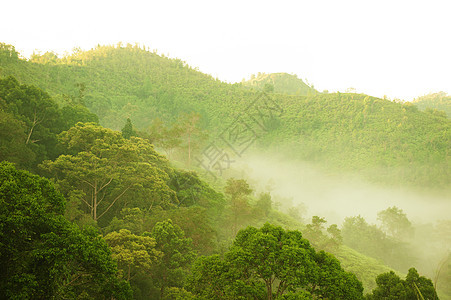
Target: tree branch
(105, 185)
(115, 199)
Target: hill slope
(387, 141)
(282, 83)
(439, 101)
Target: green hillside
(158, 224)
(282, 83)
(385, 141)
(434, 102)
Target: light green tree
(105, 168)
(135, 254)
(395, 223)
(238, 191)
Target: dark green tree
(391, 286)
(39, 116)
(128, 131)
(41, 253)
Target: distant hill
(279, 83)
(439, 101)
(386, 141)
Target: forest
(129, 175)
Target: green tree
(128, 131)
(272, 263)
(189, 124)
(238, 191)
(38, 114)
(105, 168)
(72, 114)
(12, 139)
(41, 253)
(135, 254)
(419, 286)
(210, 278)
(391, 286)
(177, 255)
(372, 241)
(264, 204)
(166, 137)
(327, 239)
(395, 223)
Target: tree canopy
(42, 254)
(272, 263)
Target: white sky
(397, 48)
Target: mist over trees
(102, 195)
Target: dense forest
(106, 190)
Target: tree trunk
(94, 204)
(269, 289)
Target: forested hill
(282, 83)
(121, 82)
(435, 101)
(391, 142)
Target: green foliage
(106, 169)
(390, 286)
(268, 263)
(127, 130)
(238, 191)
(395, 223)
(37, 117)
(30, 121)
(177, 255)
(41, 253)
(364, 267)
(279, 83)
(134, 254)
(264, 204)
(386, 141)
(435, 103)
(371, 241)
(12, 140)
(321, 238)
(118, 182)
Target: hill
(140, 188)
(386, 141)
(282, 83)
(436, 101)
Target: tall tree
(238, 191)
(105, 168)
(177, 255)
(128, 131)
(189, 124)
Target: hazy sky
(397, 48)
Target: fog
(336, 197)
